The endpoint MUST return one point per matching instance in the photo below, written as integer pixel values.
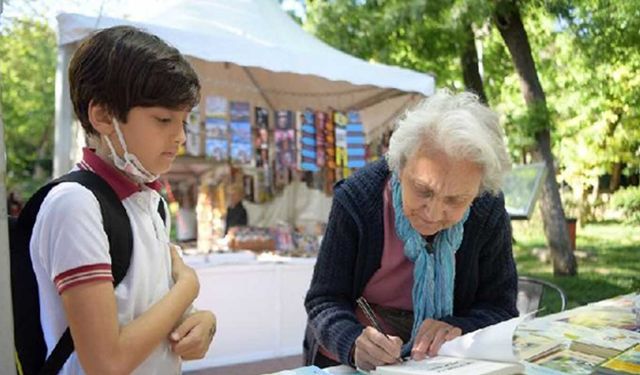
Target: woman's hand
(191, 339)
(373, 349)
(180, 272)
(431, 336)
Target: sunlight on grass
(610, 267)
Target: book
(449, 366)
(569, 362)
(627, 362)
(530, 347)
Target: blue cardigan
(485, 283)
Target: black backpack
(31, 350)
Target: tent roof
(252, 33)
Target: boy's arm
(192, 338)
(103, 346)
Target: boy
(132, 93)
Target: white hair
(458, 125)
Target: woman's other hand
(431, 336)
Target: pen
(368, 312)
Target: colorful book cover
(602, 317)
(627, 362)
(216, 127)
(261, 136)
(308, 142)
(217, 149)
(320, 120)
(241, 148)
(241, 153)
(193, 133)
(216, 106)
(299, 118)
(330, 142)
(355, 141)
(340, 122)
(570, 362)
(285, 140)
(240, 111)
(217, 138)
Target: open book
(486, 351)
(449, 366)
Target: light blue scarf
(433, 274)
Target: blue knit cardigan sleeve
(329, 301)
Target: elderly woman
(423, 235)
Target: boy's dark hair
(124, 67)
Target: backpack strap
(118, 229)
(161, 211)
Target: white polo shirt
(69, 247)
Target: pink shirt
(391, 284)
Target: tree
(418, 34)
(509, 23)
(27, 67)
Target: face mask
(130, 164)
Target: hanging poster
(330, 141)
(193, 133)
(320, 121)
(216, 128)
(285, 140)
(340, 121)
(241, 148)
(355, 141)
(261, 137)
(308, 142)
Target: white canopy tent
(250, 50)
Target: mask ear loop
(116, 125)
(131, 158)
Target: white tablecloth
(259, 305)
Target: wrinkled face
(437, 190)
(153, 134)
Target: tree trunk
(616, 175)
(509, 23)
(469, 62)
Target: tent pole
(62, 158)
(7, 364)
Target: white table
(258, 303)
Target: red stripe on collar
(120, 183)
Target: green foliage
(27, 70)
(601, 123)
(425, 36)
(628, 200)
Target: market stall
(282, 116)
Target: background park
(563, 74)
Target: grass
(611, 266)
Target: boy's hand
(179, 270)
(191, 339)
